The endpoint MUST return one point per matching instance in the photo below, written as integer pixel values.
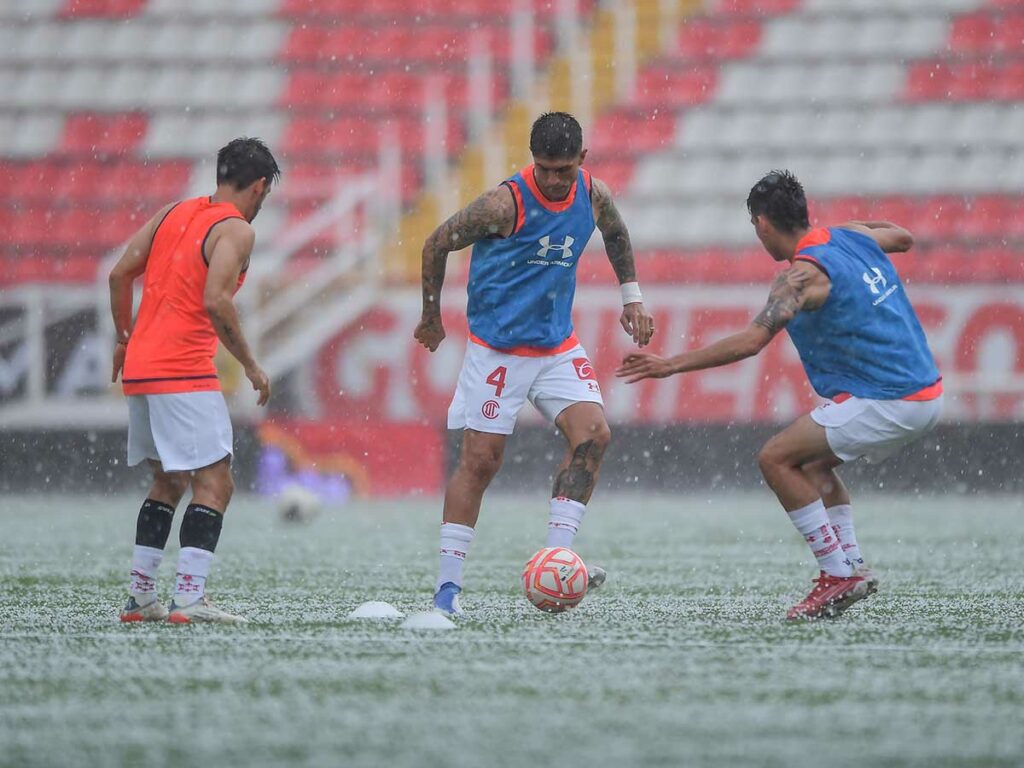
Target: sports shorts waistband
(931, 392)
(524, 351)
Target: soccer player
(863, 349)
(192, 256)
(528, 234)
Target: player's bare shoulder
(493, 214)
(600, 197)
(799, 287)
(238, 232)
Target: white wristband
(631, 293)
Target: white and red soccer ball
(555, 579)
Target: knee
(170, 486)
(215, 490)
(482, 463)
(599, 435)
(770, 459)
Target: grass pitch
(683, 658)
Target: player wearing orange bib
(192, 256)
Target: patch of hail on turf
(376, 609)
(428, 620)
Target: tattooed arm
(800, 287)
(493, 214)
(635, 320)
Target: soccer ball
(297, 505)
(555, 579)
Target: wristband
(631, 293)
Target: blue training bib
(866, 339)
(521, 287)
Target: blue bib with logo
(866, 339)
(521, 287)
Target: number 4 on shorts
(497, 379)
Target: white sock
(193, 570)
(564, 521)
(455, 541)
(841, 517)
(812, 521)
(145, 563)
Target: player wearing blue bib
(528, 235)
(862, 347)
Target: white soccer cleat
(153, 610)
(597, 576)
(869, 578)
(202, 610)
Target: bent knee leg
(213, 486)
(482, 463)
(601, 435)
(168, 487)
(772, 460)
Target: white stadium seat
(177, 9)
(25, 10)
(868, 7)
(30, 136)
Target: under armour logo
(565, 247)
(874, 281)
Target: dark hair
(556, 135)
(245, 160)
(780, 197)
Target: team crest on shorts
(491, 409)
(584, 369)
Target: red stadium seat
(459, 10)
(148, 183)
(666, 87)
(108, 9)
(752, 7)
(354, 136)
(714, 39)
(629, 132)
(616, 172)
(986, 33)
(92, 133)
(978, 80)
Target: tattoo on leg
(576, 481)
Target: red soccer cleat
(830, 597)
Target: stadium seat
(985, 33)
(108, 108)
(721, 40)
(101, 8)
(670, 88)
(94, 134)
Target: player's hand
(119, 350)
(643, 365)
(638, 323)
(430, 332)
(260, 382)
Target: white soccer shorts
(493, 387)
(875, 429)
(183, 431)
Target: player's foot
(597, 576)
(869, 576)
(446, 600)
(152, 610)
(202, 610)
(830, 597)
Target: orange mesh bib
(173, 342)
